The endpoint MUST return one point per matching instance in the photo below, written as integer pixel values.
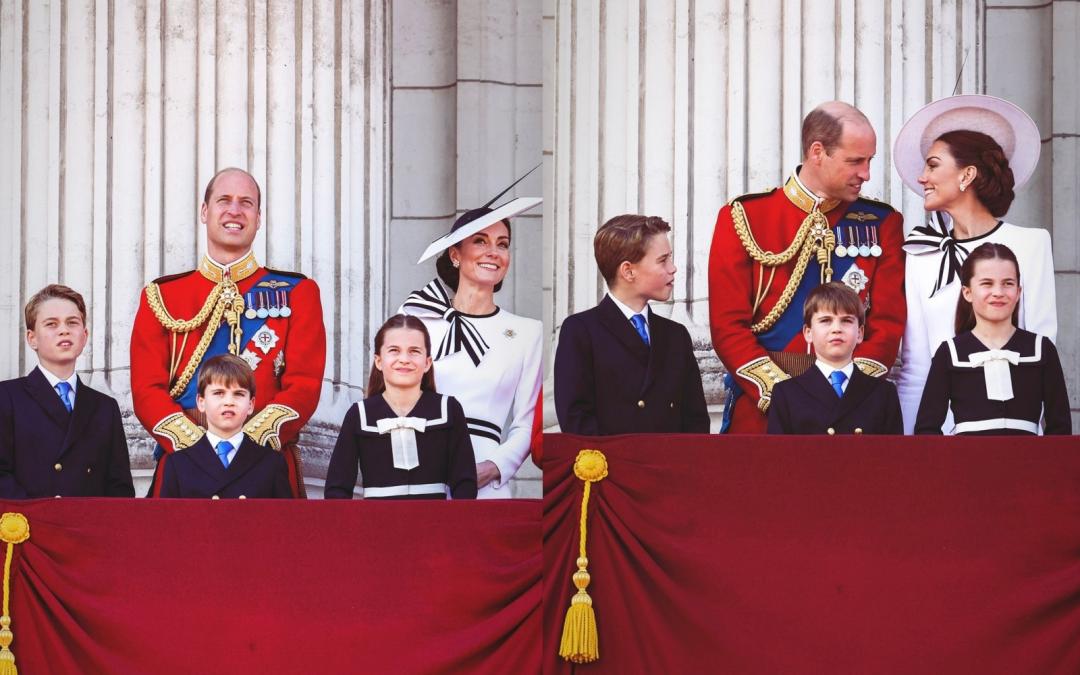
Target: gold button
(57, 497)
(672, 404)
(87, 469)
(858, 430)
(831, 431)
(215, 497)
(58, 466)
(640, 404)
(243, 496)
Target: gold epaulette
(870, 366)
(265, 427)
(180, 430)
(764, 373)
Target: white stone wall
(369, 125)
(671, 109)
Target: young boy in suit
(619, 367)
(225, 462)
(59, 437)
(833, 396)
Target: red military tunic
(752, 311)
(286, 348)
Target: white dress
(499, 393)
(931, 318)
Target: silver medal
(840, 251)
(263, 313)
(864, 251)
(286, 311)
(875, 251)
(251, 313)
(274, 312)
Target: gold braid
(224, 302)
(815, 227)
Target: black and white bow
(933, 237)
(461, 334)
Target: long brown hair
(994, 183)
(376, 382)
(965, 313)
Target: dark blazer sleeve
(894, 419)
(344, 461)
(1056, 414)
(10, 488)
(461, 477)
(281, 488)
(695, 413)
(118, 481)
(170, 482)
(575, 380)
(778, 409)
(934, 406)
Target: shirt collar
(235, 440)
(54, 380)
(801, 196)
(238, 270)
(627, 312)
(827, 370)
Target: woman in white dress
(487, 358)
(966, 155)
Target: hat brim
(508, 210)
(1002, 120)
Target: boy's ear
(807, 335)
(200, 403)
(626, 271)
(859, 339)
(31, 339)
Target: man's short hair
(50, 292)
(624, 238)
(210, 186)
(229, 370)
(825, 124)
(835, 297)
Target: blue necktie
(639, 326)
(64, 390)
(837, 378)
(223, 450)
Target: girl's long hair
(376, 381)
(965, 313)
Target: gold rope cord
(14, 529)
(813, 237)
(225, 301)
(579, 642)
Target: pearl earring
(457, 264)
(963, 186)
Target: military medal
(265, 339)
(273, 311)
(285, 309)
(875, 250)
(864, 249)
(263, 312)
(250, 312)
(840, 249)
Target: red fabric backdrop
(179, 586)
(821, 555)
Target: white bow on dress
(995, 365)
(402, 432)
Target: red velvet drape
(821, 555)
(179, 586)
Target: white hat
(1005, 122)
(474, 220)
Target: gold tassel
(580, 643)
(14, 529)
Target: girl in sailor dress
(487, 358)
(407, 441)
(996, 378)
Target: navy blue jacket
(807, 404)
(256, 471)
(45, 451)
(608, 381)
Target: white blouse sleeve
(1038, 308)
(512, 452)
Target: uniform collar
(237, 271)
(799, 195)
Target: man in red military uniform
(230, 304)
(770, 249)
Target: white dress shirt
(235, 440)
(628, 313)
(828, 370)
(54, 380)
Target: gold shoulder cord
(225, 301)
(813, 237)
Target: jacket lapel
(818, 388)
(247, 456)
(204, 457)
(657, 349)
(858, 390)
(85, 407)
(623, 331)
(37, 387)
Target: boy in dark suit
(619, 367)
(833, 396)
(59, 437)
(225, 462)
